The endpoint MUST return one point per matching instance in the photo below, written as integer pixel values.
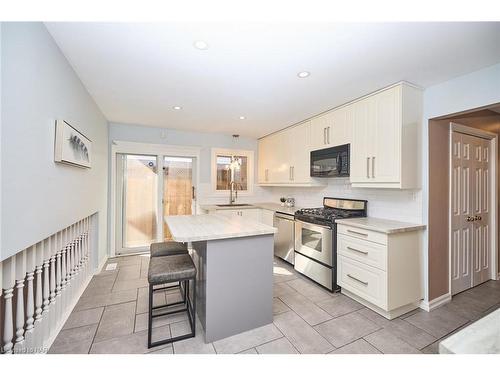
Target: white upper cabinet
(382, 129)
(384, 148)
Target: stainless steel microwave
(330, 162)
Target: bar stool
(167, 269)
(167, 248)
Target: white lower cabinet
(380, 270)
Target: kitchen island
(234, 261)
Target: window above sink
(241, 162)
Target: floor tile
(73, 336)
(100, 300)
(100, 285)
(143, 300)
(438, 322)
(346, 329)
(305, 308)
(280, 289)
(249, 351)
(301, 335)
(135, 343)
(167, 350)
(116, 321)
(131, 272)
(129, 284)
(467, 306)
(312, 291)
(76, 347)
(195, 345)
(388, 343)
(279, 307)
(247, 340)
(432, 348)
(409, 333)
(339, 305)
(279, 346)
(141, 320)
(357, 347)
(283, 273)
(84, 318)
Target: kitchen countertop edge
(381, 225)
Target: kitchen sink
(234, 205)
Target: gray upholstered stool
(167, 269)
(161, 249)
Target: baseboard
(102, 264)
(435, 303)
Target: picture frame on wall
(71, 146)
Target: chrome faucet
(233, 191)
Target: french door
(470, 211)
(148, 188)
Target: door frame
(493, 138)
(126, 147)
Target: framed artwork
(71, 146)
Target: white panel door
(362, 142)
(469, 201)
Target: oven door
(314, 241)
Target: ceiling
(137, 72)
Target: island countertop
(192, 228)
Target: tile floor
(111, 317)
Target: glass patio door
(144, 196)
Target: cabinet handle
(324, 136)
(358, 233)
(267, 174)
(373, 166)
(358, 280)
(328, 134)
(293, 173)
(367, 167)
(357, 250)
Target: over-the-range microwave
(330, 162)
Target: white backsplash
(402, 205)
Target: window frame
(232, 152)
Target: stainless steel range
(316, 238)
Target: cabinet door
(319, 133)
(267, 217)
(386, 125)
(361, 145)
(229, 213)
(299, 153)
(251, 213)
(264, 160)
(280, 169)
(340, 126)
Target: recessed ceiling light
(200, 44)
(242, 117)
(303, 74)
(176, 107)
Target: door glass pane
(177, 188)
(311, 239)
(140, 179)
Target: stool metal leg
(150, 315)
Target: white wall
(38, 196)
(473, 90)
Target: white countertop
(481, 337)
(381, 225)
(276, 207)
(192, 228)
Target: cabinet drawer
(365, 281)
(366, 252)
(364, 234)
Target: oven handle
(313, 224)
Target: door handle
(477, 217)
(358, 280)
(469, 218)
(368, 167)
(357, 250)
(373, 166)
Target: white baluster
(30, 297)
(46, 290)
(38, 331)
(63, 270)
(8, 281)
(52, 285)
(20, 276)
(68, 266)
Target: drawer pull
(358, 233)
(357, 250)
(358, 280)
